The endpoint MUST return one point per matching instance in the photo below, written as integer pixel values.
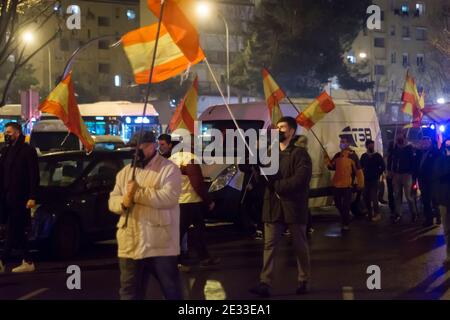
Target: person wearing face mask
(149, 242)
(348, 170)
(19, 182)
(286, 204)
(401, 166)
(441, 190)
(165, 145)
(373, 167)
(427, 155)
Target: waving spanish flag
(177, 24)
(410, 97)
(322, 105)
(186, 112)
(62, 103)
(170, 60)
(274, 95)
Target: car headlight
(223, 179)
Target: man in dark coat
(19, 181)
(441, 192)
(426, 158)
(286, 204)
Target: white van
(357, 122)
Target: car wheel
(66, 239)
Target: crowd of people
(161, 198)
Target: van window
(51, 141)
(223, 125)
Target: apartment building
(99, 72)
(402, 44)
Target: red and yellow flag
(417, 113)
(62, 103)
(170, 60)
(410, 96)
(186, 112)
(177, 24)
(274, 95)
(322, 105)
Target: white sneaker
(24, 267)
(2, 267)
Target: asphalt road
(408, 255)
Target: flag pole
(147, 94)
(312, 131)
(234, 119)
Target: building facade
(402, 44)
(99, 72)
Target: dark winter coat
(286, 195)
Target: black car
(73, 199)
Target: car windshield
(60, 173)
(51, 141)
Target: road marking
(347, 293)
(33, 294)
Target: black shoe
(302, 288)
(414, 218)
(262, 290)
(345, 230)
(396, 219)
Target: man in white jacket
(148, 243)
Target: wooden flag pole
(147, 94)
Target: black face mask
(8, 139)
(282, 136)
(141, 155)
(400, 142)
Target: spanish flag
(62, 103)
(186, 112)
(274, 95)
(170, 60)
(322, 105)
(410, 96)
(177, 24)
(417, 113)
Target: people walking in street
(426, 159)
(348, 176)
(286, 204)
(165, 145)
(302, 142)
(148, 234)
(19, 182)
(402, 166)
(194, 201)
(389, 177)
(373, 167)
(441, 190)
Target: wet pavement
(409, 257)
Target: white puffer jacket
(153, 223)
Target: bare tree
(16, 17)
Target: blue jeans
(135, 275)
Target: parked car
(72, 202)
(108, 142)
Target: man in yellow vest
(194, 200)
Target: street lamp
(203, 11)
(27, 37)
(363, 55)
